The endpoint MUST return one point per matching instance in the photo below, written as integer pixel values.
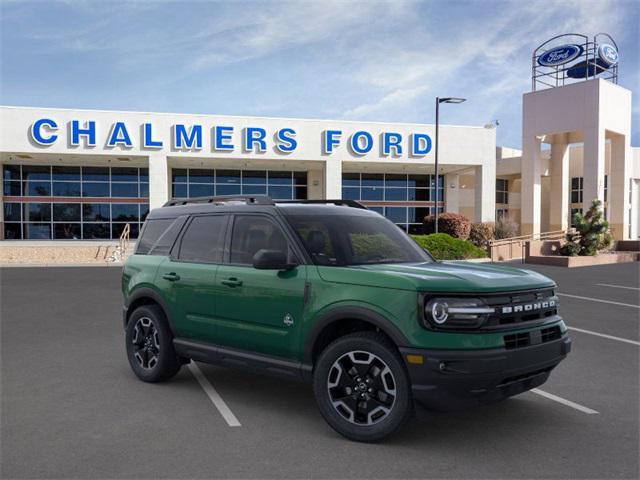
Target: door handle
(232, 282)
(172, 277)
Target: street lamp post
(438, 102)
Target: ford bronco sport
(334, 294)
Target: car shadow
(247, 392)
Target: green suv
(334, 294)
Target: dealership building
(85, 174)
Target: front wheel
(362, 388)
(150, 345)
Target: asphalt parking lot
(71, 407)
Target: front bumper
(454, 379)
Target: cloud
(490, 54)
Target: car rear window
(158, 235)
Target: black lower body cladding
(455, 379)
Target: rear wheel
(150, 345)
(362, 387)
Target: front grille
(525, 339)
(507, 306)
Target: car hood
(438, 277)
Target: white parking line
(215, 397)
(599, 300)
(604, 335)
(616, 286)
(564, 401)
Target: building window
(502, 213)
(576, 190)
(197, 182)
(378, 189)
(118, 196)
(573, 212)
(502, 190)
(606, 187)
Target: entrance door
(259, 310)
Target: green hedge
(445, 247)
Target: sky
(344, 60)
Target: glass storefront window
(400, 188)
(59, 218)
(280, 185)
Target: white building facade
(84, 174)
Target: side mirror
(271, 260)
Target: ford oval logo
(608, 54)
(560, 55)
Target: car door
(259, 310)
(188, 277)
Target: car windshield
(343, 240)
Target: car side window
(203, 240)
(252, 233)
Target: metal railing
(120, 251)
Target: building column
(531, 186)
(314, 184)
(158, 180)
(559, 194)
(485, 192)
(618, 188)
(452, 195)
(332, 179)
(593, 164)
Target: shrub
(505, 227)
(592, 233)
(482, 233)
(445, 247)
(454, 224)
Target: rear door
(259, 310)
(188, 277)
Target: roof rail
(346, 203)
(248, 199)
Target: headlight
(456, 312)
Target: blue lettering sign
(359, 147)
(89, 131)
(37, 134)
(286, 140)
(222, 137)
(391, 140)
(186, 139)
(119, 136)
(255, 136)
(421, 144)
(330, 139)
(147, 138)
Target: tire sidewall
(167, 359)
(377, 345)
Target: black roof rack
(346, 203)
(254, 199)
(257, 200)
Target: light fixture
(440, 100)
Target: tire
(149, 344)
(362, 387)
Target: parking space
(71, 407)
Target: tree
(591, 235)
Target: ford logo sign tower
(572, 57)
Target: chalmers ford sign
(222, 138)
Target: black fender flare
(146, 292)
(352, 313)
